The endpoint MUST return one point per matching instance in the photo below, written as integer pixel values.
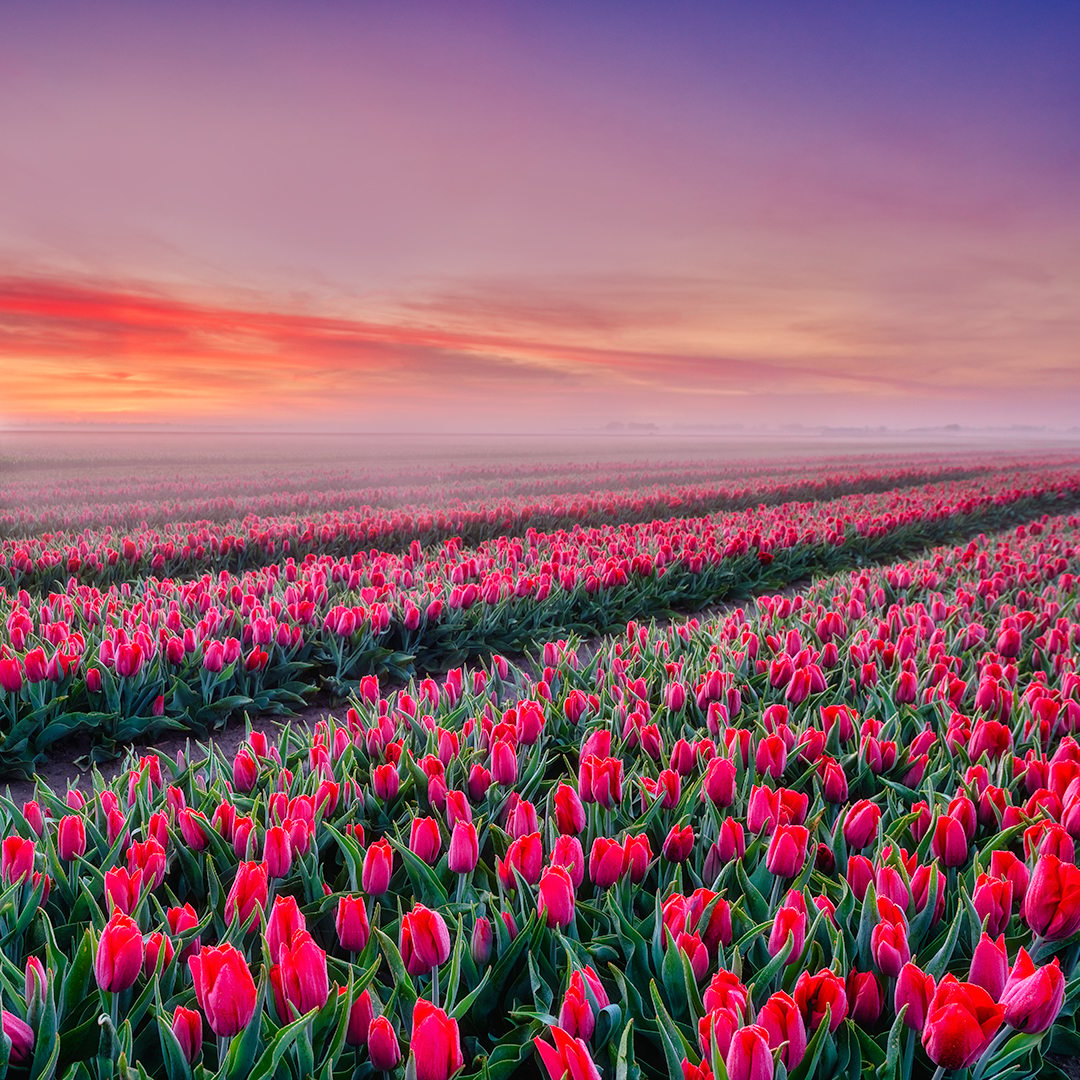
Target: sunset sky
(502, 216)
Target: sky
(543, 216)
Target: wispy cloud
(500, 357)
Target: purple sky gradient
(476, 215)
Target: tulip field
(692, 777)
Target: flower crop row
(182, 548)
(38, 498)
(127, 661)
(834, 835)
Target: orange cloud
(72, 352)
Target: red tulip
(16, 859)
(122, 889)
(1004, 864)
(639, 855)
(36, 983)
(787, 850)
(304, 980)
(21, 1035)
(436, 1043)
(11, 678)
(864, 997)
(248, 893)
(149, 857)
(383, 1048)
(861, 823)
(464, 849)
(950, 841)
(718, 1026)
(284, 921)
(351, 923)
(889, 947)
(35, 818)
(607, 862)
(781, 1018)
(567, 852)
(816, 993)
(990, 965)
(914, 988)
(992, 900)
(224, 988)
(194, 828)
(960, 1022)
(556, 896)
(424, 940)
(71, 837)
(1052, 904)
(378, 866)
(569, 1057)
(119, 956)
(719, 783)
(187, 1027)
(360, 1016)
(277, 852)
(788, 922)
(1032, 997)
(525, 855)
(569, 812)
(480, 944)
(179, 920)
(749, 1056)
(679, 844)
(425, 840)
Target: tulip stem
(222, 1050)
(435, 986)
(939, 1072)
(909, 1052)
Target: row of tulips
(184, 548)
(671, 857)
(129, 661)
(48, 497)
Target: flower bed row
(135, 659)
(831, 836)
(185, 548)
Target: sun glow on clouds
(78, 353)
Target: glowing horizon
(565, 215)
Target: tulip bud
(383, 1048)
(187, 1027)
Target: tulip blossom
(21, 1035)
(424, 941)
(749, 1056)
(248, 893)
(781, 1018)
(569, 1057)
(224, 988)
(915, 989)
(351, 923)
(814, 994)
(378, 867)
(188, 1029)
(435, 1046)
(1032, 997)
(555, 900)
(119, 956)
(303, 976)
(383, 1047)
(1052, 902)
(961, 1019)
